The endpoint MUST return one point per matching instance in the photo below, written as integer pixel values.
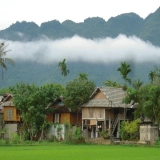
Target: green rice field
(79, 152)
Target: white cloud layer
(105, 50)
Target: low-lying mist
(74, 49)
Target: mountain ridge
(128, 24)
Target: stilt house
(105, 111)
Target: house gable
(99, 95)
(10, 113)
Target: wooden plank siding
(74, 120)
(49, 117)
(112, 113)
(93, 113)
(65, 118)
(11, 114)
(70, 118)
(99, 95)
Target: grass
(78, 152)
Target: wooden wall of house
(93, 122)
(11, 114)
(76, 120)
(70, 118)
(89, 112)
(49, 117)
(65, 118)
(100, 95)
(109, 114)
(121, 112)
(113, 112)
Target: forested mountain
(129, 24)
(150, 28)
(30, 72)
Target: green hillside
(31, 72)
(129, 24)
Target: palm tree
(83, 76)
(137, 84)
(110, 83)
(124, 69)
(3, 59)
(63, 68)
(154, 76)
(151, 76)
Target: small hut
(62, 114)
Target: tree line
(34, 102)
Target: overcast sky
(40, 11)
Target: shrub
(123, 133)
(16, 139)
(129, 130)
(158, 142)
(73, 137)
(105, 134)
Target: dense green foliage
(73, 135)
(79, 152)
(78, 92)
(34, 102)
(110, 83)
(129, 130)
(147, 97)
(154, 76)
(149, 103)
(4, 90)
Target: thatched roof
(113, 98)
(59, 106)
(4, 100)
(8, 103)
